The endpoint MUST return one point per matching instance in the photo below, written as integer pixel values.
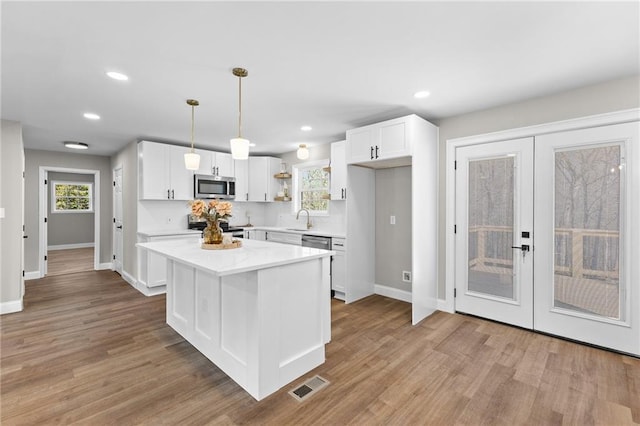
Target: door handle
(524, 247)
(119, 227)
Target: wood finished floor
(89, 349)
(69, 261)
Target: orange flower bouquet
(213, 212)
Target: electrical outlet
(392, 220)
(406, 276)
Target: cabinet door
(206, 162)
(241, 173)
(338, 272)
(181, 178)
(154, 179)
(338, 171)
(393, 140)
(224, 164)
(360, 143)
(258, 185)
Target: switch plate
(406, 276)
(392, 220)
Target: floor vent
(308, 388)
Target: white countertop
(299, 231)
(164, 232)
(253, 255)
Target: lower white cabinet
(152, 266)
(284, 238)
(338, 268)
(255, 234)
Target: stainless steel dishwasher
(316, 242)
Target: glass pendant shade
(239, 148)
(303, 152)
(192, 161)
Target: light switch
(392, 220)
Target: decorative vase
(212, 233)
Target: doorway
(45, 196)
(545, 237)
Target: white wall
(11, 193)
(616, 95)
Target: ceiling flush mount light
(91, 116)
(191, 159)
(117, 76)
(306, 128)
(76, 145)
(239, 145)
(421, 94)
(303, 152)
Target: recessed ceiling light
(91, 116)
(117, 76)
(252, 144)
(305, 128)
(76, 145)
(421, 94)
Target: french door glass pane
(490, 231)
(587, 231)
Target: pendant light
(303, 151)
(191, 159)
(239, 145)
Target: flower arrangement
(213, 212)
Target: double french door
(548, 232)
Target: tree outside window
(72, 197)
(313, 189)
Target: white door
(117, 220)
(494, 224)
(587, 234)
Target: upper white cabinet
(262, 185)
(215, 163)
(381, 142)
(241, 173)
(162, 174)
(338, 171)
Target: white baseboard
(32, 275)
(141, 287)
(393, 293)
(10, 307)
(103, 266)
(70, 246)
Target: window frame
(54, 198)
(296, 170)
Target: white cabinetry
(162, 174)
(338, 171)
(338, 267)
(241, 174)
(380, 142)
(215, 163)
(284, 238)
(152, 266)
(262, 185)
(255, 234)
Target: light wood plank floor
(89, 349)
(69, 261)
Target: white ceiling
(330, 65)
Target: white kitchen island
(261, 312)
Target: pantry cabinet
(162, 174)
(380, 142)
(338, 171)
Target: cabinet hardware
(168, 194)
(265, 196)
(377, 151)
(173, 195)
(372, 152)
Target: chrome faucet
(308, 218)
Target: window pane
(587, 231)
(490, 237)
(72, 196)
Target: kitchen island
(261, 313)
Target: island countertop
(253, 255)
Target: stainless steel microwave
(219, 187)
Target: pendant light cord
(239, 107)
(193, 108)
